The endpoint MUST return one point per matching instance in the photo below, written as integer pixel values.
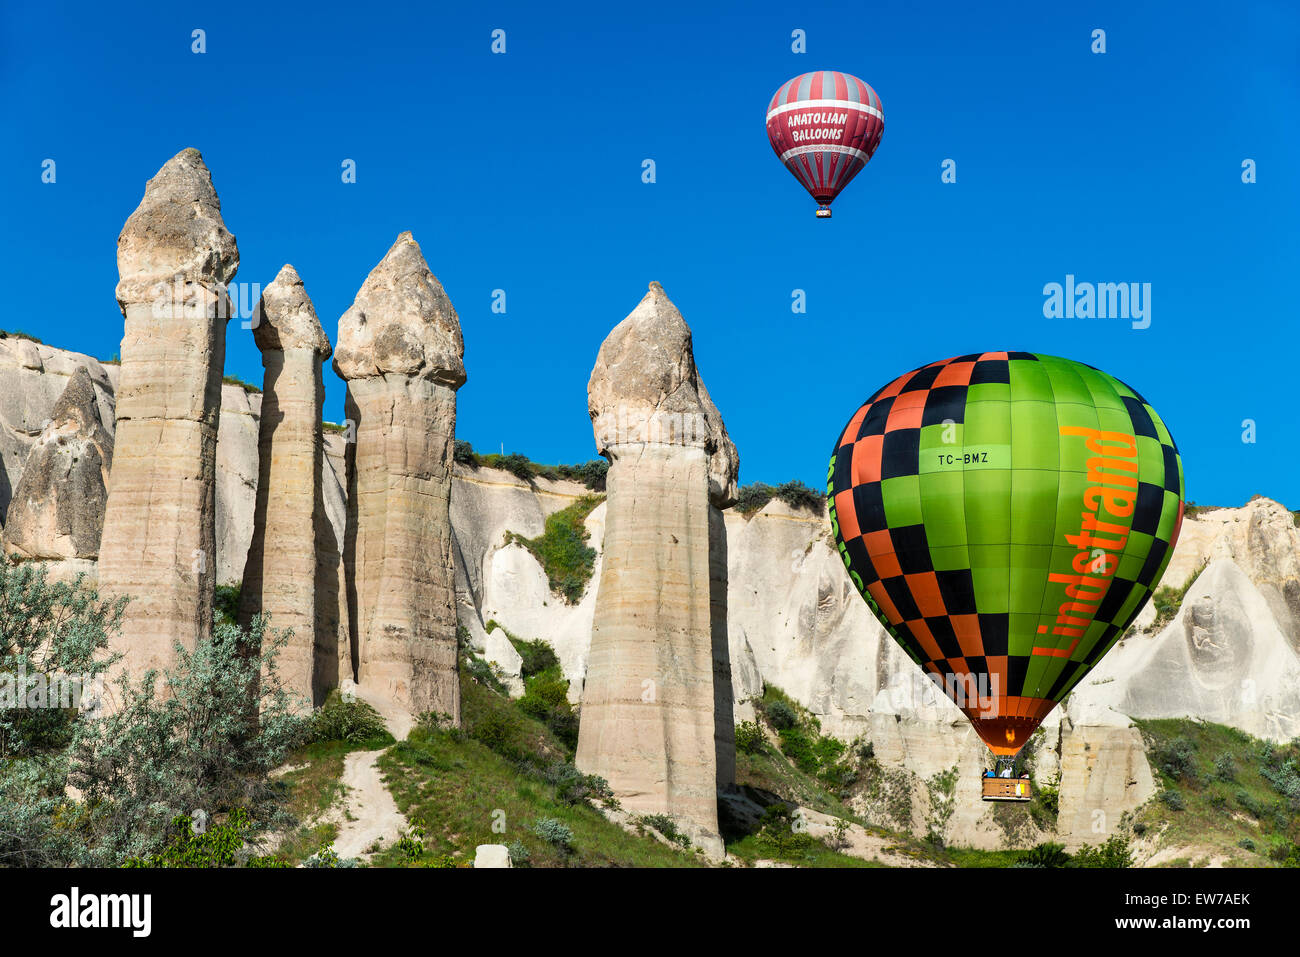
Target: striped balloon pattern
(824, 126)
(1006, 515)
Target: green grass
(309, 792)
(19, 334)
(460, 783)
(1167, 600)
(246, 386)
(591, 474)
(1222, 778)
(334, 427)
(562, 549)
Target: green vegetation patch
(1225, 790)
(591, 474)
(562, 549)
(751, 498)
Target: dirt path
(368, 812)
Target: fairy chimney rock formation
(400, 350)
(656, 710)
(174, 257)
(56, 515)
(293, 550)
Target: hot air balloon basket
(1007, 789)
(824, 213)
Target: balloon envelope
(824, 126)
(1006, 516)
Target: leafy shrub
(751, 498)
(517, 465)
(554, 832)
(797, 495)
(780, 715)
(1177, 758)
(411, 843)
(1225, 768)
(500, 730)
(750, 738)
(1246, 844)
(463, 453)
(519, 854)
(1250, 804)
(782, 831)
(353, 722)
(226, 603)
(1173, 799)
(666, 826)
(1048, 854)
(215, 846)
(537, 655)
(211, 742)
(481, 671)
(573, 787)
(327, 857)
(1114, 853)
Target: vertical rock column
(650, 710)
(174, 257)
(400, 350)
(280, 577)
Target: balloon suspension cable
(1006, 762)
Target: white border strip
(826, 148)
(825, 104)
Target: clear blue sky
(522, 172)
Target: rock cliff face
(174, 257)
(796, 623)
(400, 351)
(57, 512)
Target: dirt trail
(368, 812)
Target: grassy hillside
(1225, 795)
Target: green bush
(352, 722)
(1173, 799)
(1177, 758)
(1048, 854)
(797, 495)
(1114, 853)
(216, 846)
(546, 699)
(666, 826)
(750, 738)
(519, 854)
(573, 787)
(554, 832)
(225, 723)
(463, 453)
(537, 655)
(1250, 804)
(1225, 768)
(780, 715)
(751, 498)
(1246, 844)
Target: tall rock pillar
(174, 257)
(401, 352)
(650, 709)
(281, 575)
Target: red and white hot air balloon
(824, 126)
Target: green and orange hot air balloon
(1006, 516)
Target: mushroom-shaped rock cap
(645, 388)
(401, 322)
(177, 230)
(286, 318)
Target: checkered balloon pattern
(1006, 516)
